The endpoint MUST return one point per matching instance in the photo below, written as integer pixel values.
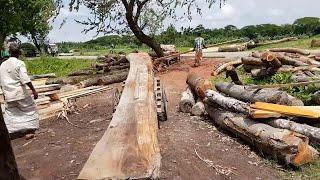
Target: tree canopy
(142, 17)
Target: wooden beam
(129, 148)
(286, 110)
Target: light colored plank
(129, 148)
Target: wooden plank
(129, 148)
(286, 110)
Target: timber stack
(303, 64)
(171, 56)
(266, 118)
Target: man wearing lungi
(198, 46)
(20, 113)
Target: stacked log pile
(171, 56)
(301, 62)
(267, 127)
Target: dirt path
(182, 135)
(62, 149)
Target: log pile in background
(267, 63)
(171, 56)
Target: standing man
(198, 46)
(21, 116)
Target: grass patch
(301, 43)
(45, 65)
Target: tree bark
(263, 95)
(291, 50)
(290, 61)
(262, 72)
(199, 85)
(223, 67)
(187, 101)
(8, 165)
(141, 36)
(312, 132)
(283, 145)
(35, 42)
(252, 61)
(198, 109)
(104, 80)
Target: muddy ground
(191, 148)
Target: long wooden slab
(129, 148)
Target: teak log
(187, 101)
(8, 165)
(245, 94)
(283, 145)
(104, 80)
(262, 72)
(290, 61)
(271, 59)
(199, 85)
(224, 66)
(232, 73)
(81, 73)
(291, 50)
(252, 61)
(198, 109)
(129, 148)
(312, 132)
(301, 68)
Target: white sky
(236, 12)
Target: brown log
(199, 85)
(232, 73)
(223, 67)
(271, 59)
(104, 80)
(8, 165)
(129, 148)
(198, 109)
(252, 61)
(248, 68)
(309, 61)
(262, 72)
(283, 145)
(233, 48)
(187, 101)
(81, 73)
(256, 54)
(291, 50)
(119, 67)
(301, 68)
(312, 132)
(290, 61)
(315, 43)
(243, 93)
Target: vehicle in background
(53, 49)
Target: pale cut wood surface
(129, 148)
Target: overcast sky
(236, 12)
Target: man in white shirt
(20, 113)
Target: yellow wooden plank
(286, 110)
(262, 114)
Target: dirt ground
(191, 147)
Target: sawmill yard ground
(191, 148)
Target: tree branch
(139, 9)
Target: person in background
(198, 46)
(20, 114)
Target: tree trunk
(291, 50)
(198, 109)
(232, 73)
(8, 165)
(263, 95)
(223, 67)
(252, 61)
(312, 132)
(187, 101)
(227, 103)
(141, 36)
(290, 61)
(262, 72)
(35, 42)
(104, 80)
(199, 85)
(283, 145)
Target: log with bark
(263, 95)
(247, 68)
(198, 85)
(187, 101)
(233, 48)
(271, 59)
(198, 109)
(301, 68)
(262, 72)
(8, 165)
(283, 145)
(224, 66)
(81, 73)
(232, 73)
(291, 50)
(315, 43)
(104, 80)
(312, 132)
(252, 61)
(129, 148)
(290, 61)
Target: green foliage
(28, 49)
(45, 65)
